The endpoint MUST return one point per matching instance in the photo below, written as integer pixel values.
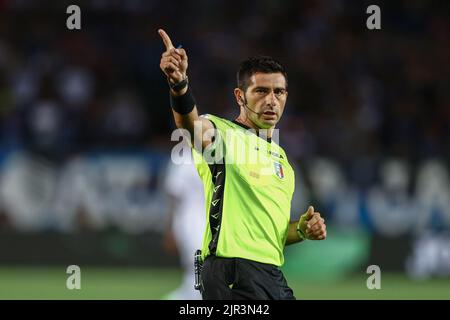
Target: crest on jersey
(279, 170)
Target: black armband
(183, 104)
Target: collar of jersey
(248, 129)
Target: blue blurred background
(85, 130)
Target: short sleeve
(215, 152)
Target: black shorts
(242, 279)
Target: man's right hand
(174, 62)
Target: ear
(238, 94)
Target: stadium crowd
(356, 96)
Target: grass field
(140, 283)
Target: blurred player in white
(187, 222)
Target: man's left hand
(313, 225)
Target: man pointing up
(248, 202)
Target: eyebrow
(267, 88)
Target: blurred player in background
(248, 203)
(186, 222)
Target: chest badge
(279, 170)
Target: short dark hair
(256, 64)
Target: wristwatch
(179, 85)
(300, 232)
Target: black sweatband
(183, 104)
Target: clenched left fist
(313, 225)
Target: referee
(247, 202)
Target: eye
(261, 90)
(280, 92)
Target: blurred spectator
(187, 224)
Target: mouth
(270, 115)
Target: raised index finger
(166, 39)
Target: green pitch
(140, 283)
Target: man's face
(266, 95)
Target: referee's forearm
(184, 109)
(293, 236)
(186, 121)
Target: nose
(271, 99)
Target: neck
(243, 119)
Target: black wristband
(183, 104)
